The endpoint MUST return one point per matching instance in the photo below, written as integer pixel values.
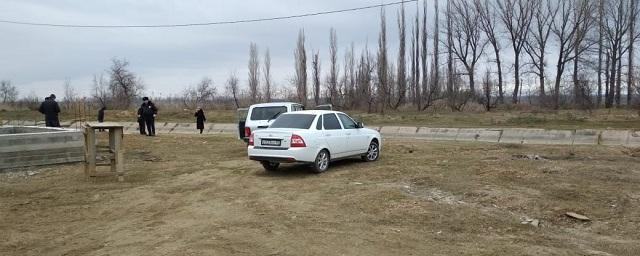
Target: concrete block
(551, 137)
(634, 139)
(4, 122)
(29, 146)
(614, 137)
(29, 123)
(438, 133)
(66, 123)
(41, 123)
(389, 130)
(516, 135)
(15, 122)
(478, 134)
(586, 137)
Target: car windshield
(266, 113)
(294, 121)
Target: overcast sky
(39, 59)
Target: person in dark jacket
(101, 116)
(141, 125)
(149, 113)
(50, 109)
(200, 119)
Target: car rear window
(294, 121)
(266, 113)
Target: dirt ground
(199, 195)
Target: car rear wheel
(322, 161)
(372, 153)
(270, 166)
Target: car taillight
(247, 131)
(251, 139)
(297, 141)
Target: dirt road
(198, 195)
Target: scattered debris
(151, 159)
(528, 157)
(577, 216)
(530, 221)
(31, 173)
(357, 183)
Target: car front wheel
(322, 161)
(270, 166)
(372, 153)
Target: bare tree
(633, 6)
(582, 45)
(101, 92)
(468, 44)
(364, 81)
(488, 24)
(450, 89)
(202, 95)
(487, 88)
(416, 59)
(383, 67)
(254, 73)
(516, 17)
(8, 92)
(401, 78)
(332, 79)
(349, 78)
(543, 17)
(435, 83)
(315, 63)
(301, 69)
(568, 35)
(70, 95)
(124, 85)
(427, 90)
(232, 88)
(600, 49)
(267, 76)
(616, 26)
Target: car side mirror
(360, 125)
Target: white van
(260, 116)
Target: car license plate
(270, 142)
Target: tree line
(550, 53)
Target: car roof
(313, 112)
(274, 104)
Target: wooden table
(115, 150)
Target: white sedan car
(316, 137)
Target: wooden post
(118, 153)
(90, 149)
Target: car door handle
(348, 133)
(327, 135)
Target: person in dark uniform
(149, 113)
(101, 116)
(50, 109)
(141, 126)
(200, 119)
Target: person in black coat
(200, 119)
(149, 113)
(101, 116)
(50, 109)
(141, 126)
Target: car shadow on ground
(306, 170)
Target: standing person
(101, 116)
(141, 125)
(200, 119)
(50, 109)
(149, 113)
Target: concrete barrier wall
(437, 133)
(634, 139)
(614, 137)
(478, 134)
(40, 146)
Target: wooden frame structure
(115, 149)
